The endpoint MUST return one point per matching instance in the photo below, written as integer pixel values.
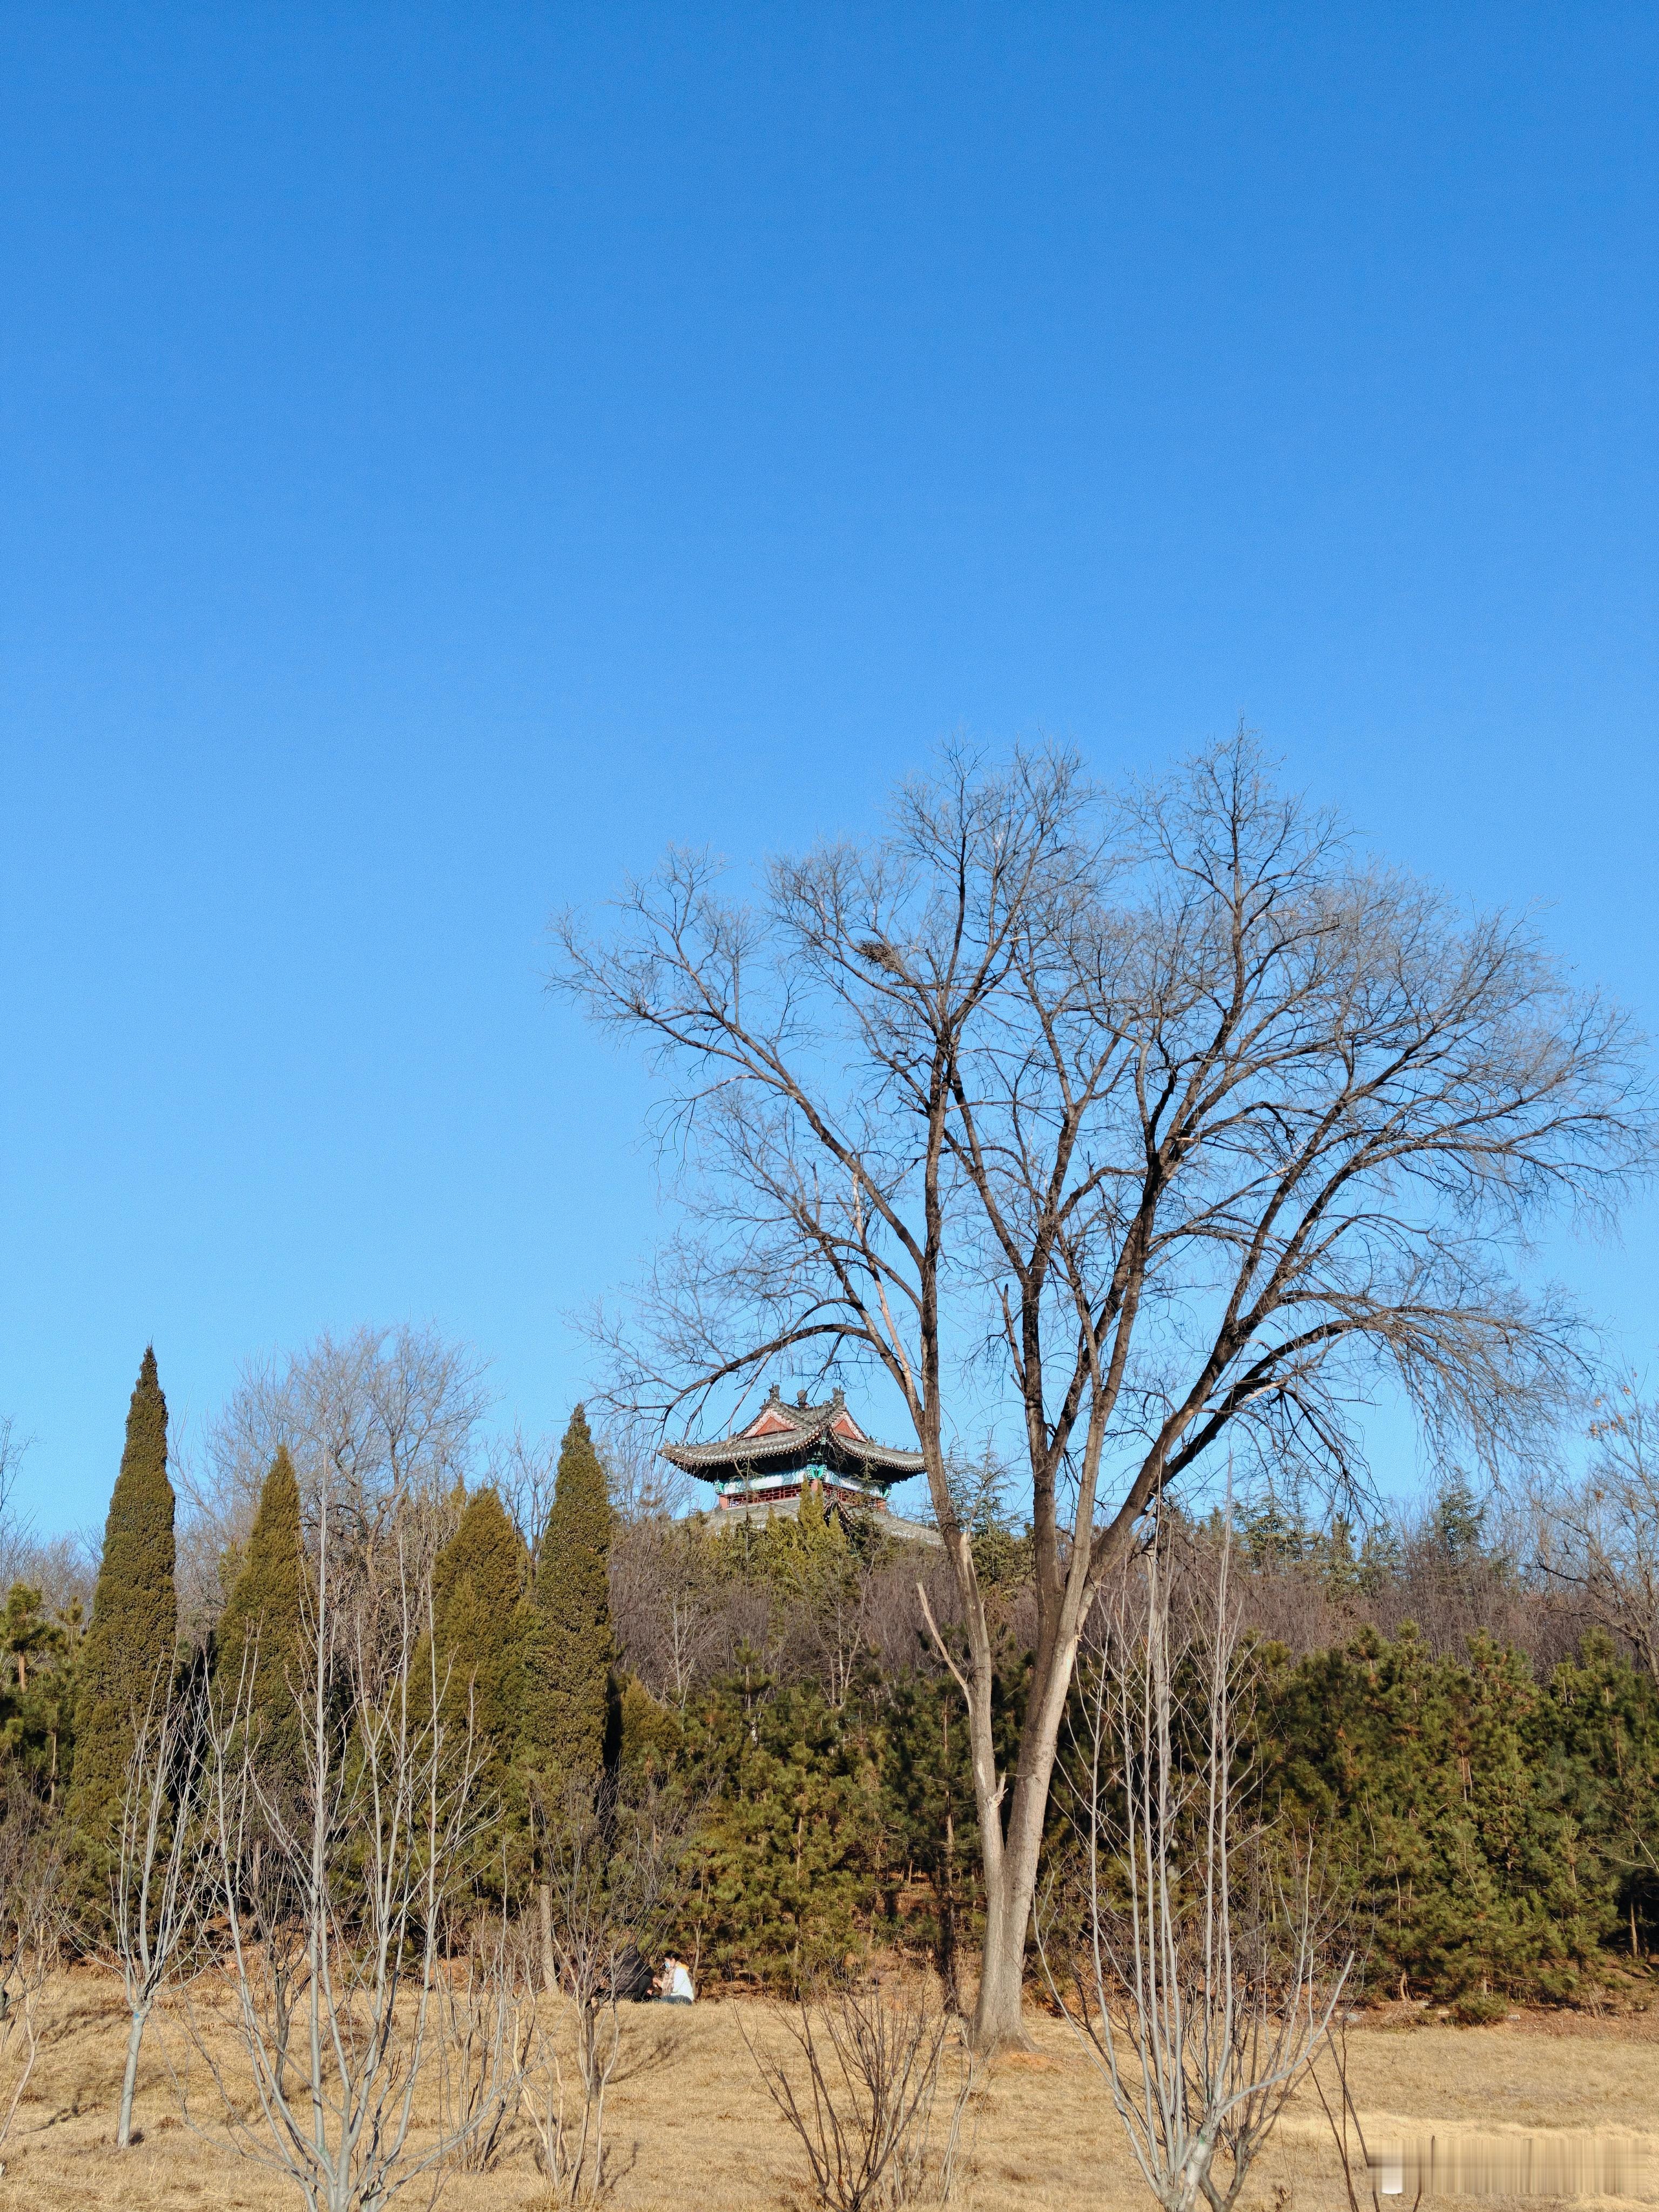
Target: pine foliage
(477, 1583)
(1490, 1830)
(791, 1847)
(1479, 1816)
(38, 1693)
(262, 1627)
(135, 1615)
(572, 1648)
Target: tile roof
(801, 1425)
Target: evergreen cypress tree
(567, 1666)
(263, 1625)
(477, 1583)
(134, 1617)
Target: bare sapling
(157, 1878)
(607, 1865)
(1348, 2133)
(1202, 1970)
(335, 1887)
(29, 1929)
(484, 2050)
(1598, 1536)
(857, 2077)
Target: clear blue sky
(449, 451)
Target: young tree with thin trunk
(608, 1864)
(31, 1869)
(873, 2061)
(341, 2021)
(1205, 1966)
(156, 1880)
(1173, 1118)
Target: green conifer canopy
(572, 1649)
(135, 1615)
(478, 1583)
(262, 1625)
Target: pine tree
(37, 1698)
(567, 1666)
(27, 1636)
(1460, 1807)
(262, 1626)
(1458, 1522)
(791, 1848)
(802, 1555)
(1341, 1568)
(478, 1583)
(128, 1647)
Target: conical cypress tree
(135, 1618)
(478, 1581)
(568, 1664)
(262, 1626)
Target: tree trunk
(1011, 1859)
(130, 2079)
(998, 2024)
(544, 1905)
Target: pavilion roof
(780, 1430)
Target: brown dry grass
(694, 2127)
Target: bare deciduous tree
(1348, 2131)
(1599, 1537)
(524, 1470)
(342, 2021)
(607, 1861)
(381, 1418)
(642, 1486)
(1206, 1971)
(864, 2116)
(643, 1489)
(155, 1880)
(667, 1603)
(30, 1871)
(485, 2045)
(12, 1449)
(1168, 1117)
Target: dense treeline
(1481, 1762)
(1476, 1749)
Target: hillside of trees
(1459, 1703)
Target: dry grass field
(692, 2126)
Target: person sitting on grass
(674, 1983)
(631, 1979)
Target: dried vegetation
(693, 2125)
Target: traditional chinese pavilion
(786, 1449)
